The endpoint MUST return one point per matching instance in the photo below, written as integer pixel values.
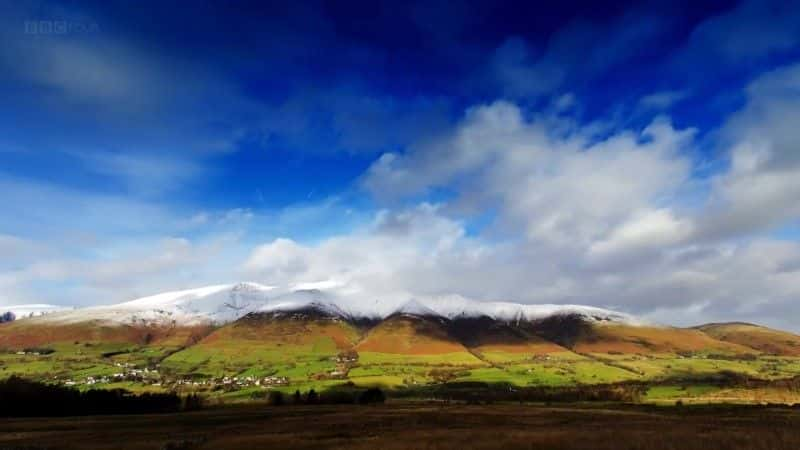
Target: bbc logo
(58, 27)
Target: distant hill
(767, 340)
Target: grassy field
(304, 364)
(429, 426)
(400, 352)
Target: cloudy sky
(638, 157)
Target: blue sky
(632, 155)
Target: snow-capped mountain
(32, 309)
(227, 302)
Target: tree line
(24, 398)
(329, 397)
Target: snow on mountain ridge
(414, 308)
(33, 309)
(228, 302)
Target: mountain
(767, 340)
(304, 341)
(316, 334)
(597, 337)
(413, 333)
(228, 302)
(419, 326)
(498, 341)
(32, 309)
(220, 303)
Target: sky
(636, 156)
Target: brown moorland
(611, 338)
(24, 334)
(267, 331)
(403, 334)
(408, 425)
(767, 340)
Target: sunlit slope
(767, 340)
(588, 337)
(74, 350)
(298, 346)
(29, 333)
(413, 339)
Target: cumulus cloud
(578, 219)
(564, 189)
(761, 187)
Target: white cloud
(554, 188)
(576, 218)
(762, 187)
(603, 221)
(661, 100)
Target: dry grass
(761, 338)
(534, 346)
(632, 339)
(402, 335)
(24, 333)
(401, 426)
(284, 332)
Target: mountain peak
(414, 308)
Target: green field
(309, 366)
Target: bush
(193, 402)
(372, 396)
(339, 397)
(312, 397)
(275, 398)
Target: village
(152, 377)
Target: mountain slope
(301, 344)
(583, 336)
(412, 334)
(218, 304)
(499, 341)
(767, 340)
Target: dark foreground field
(419, 427)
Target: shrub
(371, 396)
(193, 402)
(23, 398)
(275, 398)
(312, 397)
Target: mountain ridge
(228, 302)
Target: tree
(372, 395)
(8, 316)
(193, 402)
(297, 397)
(275, 398)
(312, 397)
